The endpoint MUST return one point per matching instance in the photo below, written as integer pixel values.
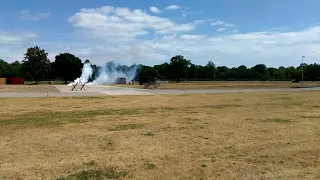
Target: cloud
(13, 44)
(134, 36)
(173, 7)
(9, 38)
(192, 37)
(221, 29)
(29, 16)
(186, 11)
(123, 24)
(222, 23)
(154, 9)
(271, 48)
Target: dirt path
(99, 90)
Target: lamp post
(302, 71)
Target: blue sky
(227, 32)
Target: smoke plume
(107, 74)
(86, 74)
(110, 72)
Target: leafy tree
(312, 72)
(193, 72)
(179, 67)
(211, 70)
(16, 69)
(233, 74)
(271, 73)
(162, 69)
(52, 71)
(147, 71)
(242, 72)
(222, 72)
(36, 63)
(260, 71)
(4, 68)
(67, 66)
(36, 66)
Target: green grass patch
(311, 116)
(277, 120)
(107, 173)
(150, 166)
(222, 106)
(124, 127)
(169, 108)
(190, 119)
(148, 134)
(52, 118)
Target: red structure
(15, 80)
(121, 81)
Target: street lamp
(302, 71)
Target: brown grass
(224, 84)
(27, 88)
(216, 136)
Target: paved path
(96, 90)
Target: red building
(15, 80)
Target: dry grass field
(207, 136)
(27, 88)
(183, 85)
(225, 84)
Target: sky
(226, 32)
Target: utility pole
(302, 71)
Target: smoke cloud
(110, 72)
(86, 74)
(107, 74)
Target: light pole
(302, 71)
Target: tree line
(36, 66)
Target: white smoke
(107, 74)
(110, 72)
(86, 74)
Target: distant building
(15, 80)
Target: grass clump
(148, 134)
(91, 163)
(124, 127)
(150, 166)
